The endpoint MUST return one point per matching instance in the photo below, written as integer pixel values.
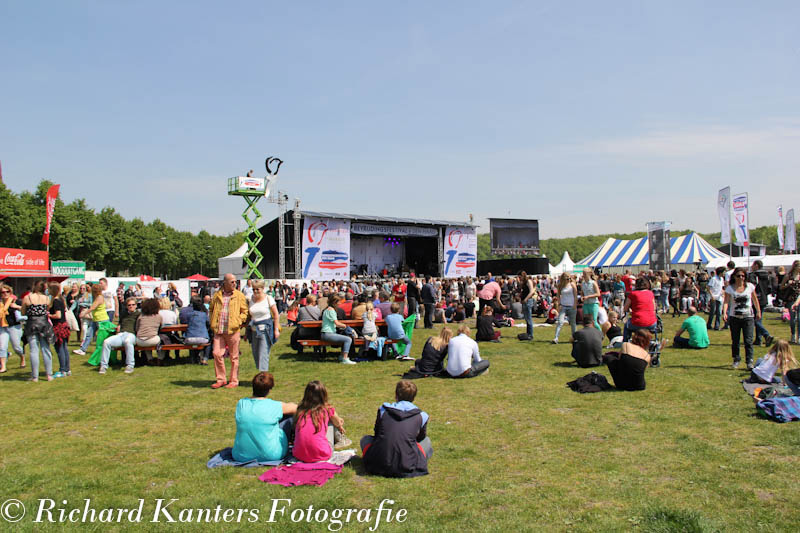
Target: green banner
(71, 269)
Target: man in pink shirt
(490, 295)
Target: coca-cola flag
(52, 194)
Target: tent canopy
(197, 277)
(565, 265)
(686, 249)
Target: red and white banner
(28, 261)
(52, 195)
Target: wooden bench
(319, 343)
(176, 328)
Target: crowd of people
(611, 308)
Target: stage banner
(460, 252)
(52, 195)
(724, 210)
(790, 244)
(780, 226)
(326, 248)
(398, 231)
(740, 223)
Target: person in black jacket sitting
(400, 446)
(433, 354)
(485, 326)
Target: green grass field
(513, 450)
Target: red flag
(52, 194)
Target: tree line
(105, 240)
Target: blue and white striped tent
(686, 249)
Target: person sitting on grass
(628, 365)
(262, 424)
(395, 331)
(316, 426)
(698, 332)
(780, 358)
(433, 354)
(612, 330)
(587, 344)
(485, 326)
(400, 446)
(463, 357)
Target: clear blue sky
(591, 116)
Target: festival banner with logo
(724, 210)
(460, 252)
(15, 261)
(740, 223)
(780, 226)
(326, 248)
(790, 242)
(52, 195)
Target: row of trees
(106, 240)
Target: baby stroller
(656, 343)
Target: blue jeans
(527, 310)
(124, 339)
(13, 334)
(90, 331)
(63, 356)
(261, 342)
(761, 331)
(37, 342)
(407, 341)
(337, 339)
(714, 314)
(568, 312)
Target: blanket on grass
(780, 409)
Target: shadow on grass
(707, 367)
(566, 364)
(197, 383)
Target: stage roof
(396, 220)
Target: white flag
(740, 223)
(790, 244)
(780, 227)
(724, 209)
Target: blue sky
(590, 116)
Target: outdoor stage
(316, 245)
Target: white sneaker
(128, 370)
(78, 352)
(102, 370)
(348, 362)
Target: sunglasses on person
(4, 292)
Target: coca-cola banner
(52, 194)
(26, 261)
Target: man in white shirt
(463, 357)
(109, 299)
(247, 290)
(714, 288)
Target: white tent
(565, 265)
(233, 263)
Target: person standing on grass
(227, 314)
(715, 291)
(38, 330)
(528, 293)
(96, 313)
(591, 292)
(567, 304)
(428, 295)
(58, 318)
(109, 300)
(740, 311)
(10, 326)
(760, 279)
(698, 332)
(265, 324)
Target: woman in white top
(740, 310)
(265, 324)
(568, 296)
